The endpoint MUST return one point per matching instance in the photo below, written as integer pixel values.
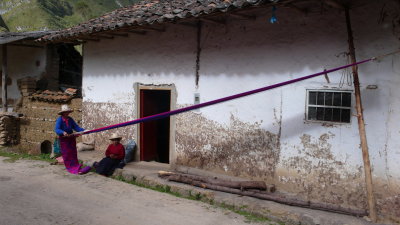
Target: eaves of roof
(10, 37)
(147, 13)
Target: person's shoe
(84, 170)
(95, 164)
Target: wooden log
(260, 185)
(361, 124)
(267, 196)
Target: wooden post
(361, 124)
(4, 78)
(198, 53)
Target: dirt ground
(34, 192)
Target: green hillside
(30, 15)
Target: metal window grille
(330, 106)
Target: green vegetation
(250, 217)
(159, 188)
(13, 157)
(31, 15)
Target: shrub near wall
(38, 120)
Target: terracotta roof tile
(53, 96)
(150, 12)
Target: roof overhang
(17, 37)
(154, 15)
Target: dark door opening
(154, 135)
(70, 66)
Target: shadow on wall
(239, 48)
(275, 49)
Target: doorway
(155, 135)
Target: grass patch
(250, 217)
(159, 188)
(13, 157)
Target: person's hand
(112, 156)
(65, 134)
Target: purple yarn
(177, 111)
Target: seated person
(115, 153)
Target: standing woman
(64, 128)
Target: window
(331, 106)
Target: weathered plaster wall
(23, 62)
(112, 67)
(264, 136)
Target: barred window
(331, 106)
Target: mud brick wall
(9, 129)
(37, 123)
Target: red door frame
(148, 130)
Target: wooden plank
(218, 22)
(28, 46)
(89, 39)
(155, 28)
(120, 34)
(140, 32)
(242, 16)
(104, 36)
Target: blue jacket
(61, 126)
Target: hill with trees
(31, 15)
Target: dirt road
(34, 192)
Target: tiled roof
(8, 37)
(152, 12)
(54, 96)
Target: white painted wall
(244, 55)
(22, 62)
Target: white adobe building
(304, 138)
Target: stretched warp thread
(201, 105)
(177, 111)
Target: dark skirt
(107, 166)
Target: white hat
(65, 108)
(115, 136)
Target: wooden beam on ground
(361, 123)
(242, 185)
(279, 198)
(4, 78)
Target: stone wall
(37, 123)
(9, 129)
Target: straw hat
(65, 108)
(115, 136)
